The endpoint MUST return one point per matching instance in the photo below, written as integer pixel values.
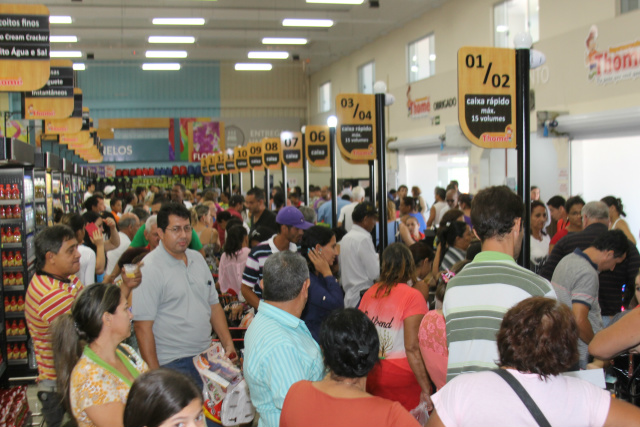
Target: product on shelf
(13, 305)
(7, 304)
(17, 262)
(7, 327)
(3, 212)
(22, 329)
(14, 328)
(23, 351)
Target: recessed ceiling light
(336, 1)
(59, 19)
(65, 54)
(172, 39)
(178, 21)
(63, 39)
(502, 29)
(79, 67)
(290, 22)
(161, 67)
(253, 67)
(268, 55)
(166, 54)
(283, 40)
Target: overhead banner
(71, 125)
(356, 130)
(271, 153)
(54, 100)
(255, 156)
(291, 149)
(317, 142)
(134, 150)
(191, 138)
(487, 94)
(241, 156)
(24, 47)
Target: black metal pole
(382, 170)
(334, 177)
(267, 190)
(253, 179)
(305, 171)
(523, 145)
(372, 181)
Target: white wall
(607, 167)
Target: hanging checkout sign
(255, 156)
(487, 96)
(291, 149)
(220, 166)
(241, 156)
(229, 163)
(55, 100)
(211, 165)
(317, 141)
(271, 153)
(356, 130)
(203, 165)
(24, 47)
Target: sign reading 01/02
(356, 131)
(486, 94)
(317, 140)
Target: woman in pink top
(236, 250)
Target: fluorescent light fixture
(290, 22)
(414, 68)
(332, 121)
(432, 57)
(178, 21)
(59, 19)
(336, 1)
(172, 39)
(65, 54)
(502, 29)
(283, 40)
(63, 39)
(161, 67)
(166, 54)
(268, 55)
(79, 67)
(252, 67)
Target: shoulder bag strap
(524, 396)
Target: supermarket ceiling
(120, 29)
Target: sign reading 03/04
(356, 131)
(486, 94)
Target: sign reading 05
(317, 141)
(241, 155)
(271, 153)
(356, 131)
(255, 156)
(487, 96)
(291, 149)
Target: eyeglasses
(176, 230)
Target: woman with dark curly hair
(537, 341)
(349, 342)
(396, 310)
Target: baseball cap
(292, 217)
(109, 189)
(363, 210)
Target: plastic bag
(421, 413)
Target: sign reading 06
(255, 156)
(487, 96)
(271, 153)
(317, 141)
(241, 156)
(356, 130)
(291, 149)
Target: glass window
(324, 97)
(422, 58)
(512, 17)
(629, 5)
(366, 77)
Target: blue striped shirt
(279, 351)
(255, 263)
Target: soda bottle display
(15, 192)
(10, 260)
(18, 260)
(14, 328)
(5, 260)
(20, 303)
(11, 279)
(17, 236)
(17, 212)
(13, 306)
(22, 329)
(7, 327)
(19, 281)
(7, 304)
(3, 236)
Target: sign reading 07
(291, 149)
(271, 153)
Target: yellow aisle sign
(291, 149)
(55, 100)
(356, 130)
(487, 96)
(317, 141)
(271, 153)
(255, 156)
(241, 155)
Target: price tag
(271, 153)
(220, 163)
(317, 140)
(356, 131)
(255, 156)
(241, 155)
(291, 149)
(229, 163)
(487, 96)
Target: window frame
(527, 24)
(321, 97)
(432, 64)
(373, 79)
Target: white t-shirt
(484, 399)
(345, 216)
(539, 251)
(87, 271)
(441, 208)
(114, 255)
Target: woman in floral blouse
(95, 371)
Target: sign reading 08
(356, 131)
(317, 141)
(271, 153)
(255, 156)
(487, 96)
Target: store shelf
(40, 200)
(6, 202)
(16, 338)
(14, 314)
(1, 328)
(3, 367)
(13, 269)
(18, 362)
(13, 288)
(11, 245)
(10, 221)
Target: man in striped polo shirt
(479, 296)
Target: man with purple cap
(291, 226)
